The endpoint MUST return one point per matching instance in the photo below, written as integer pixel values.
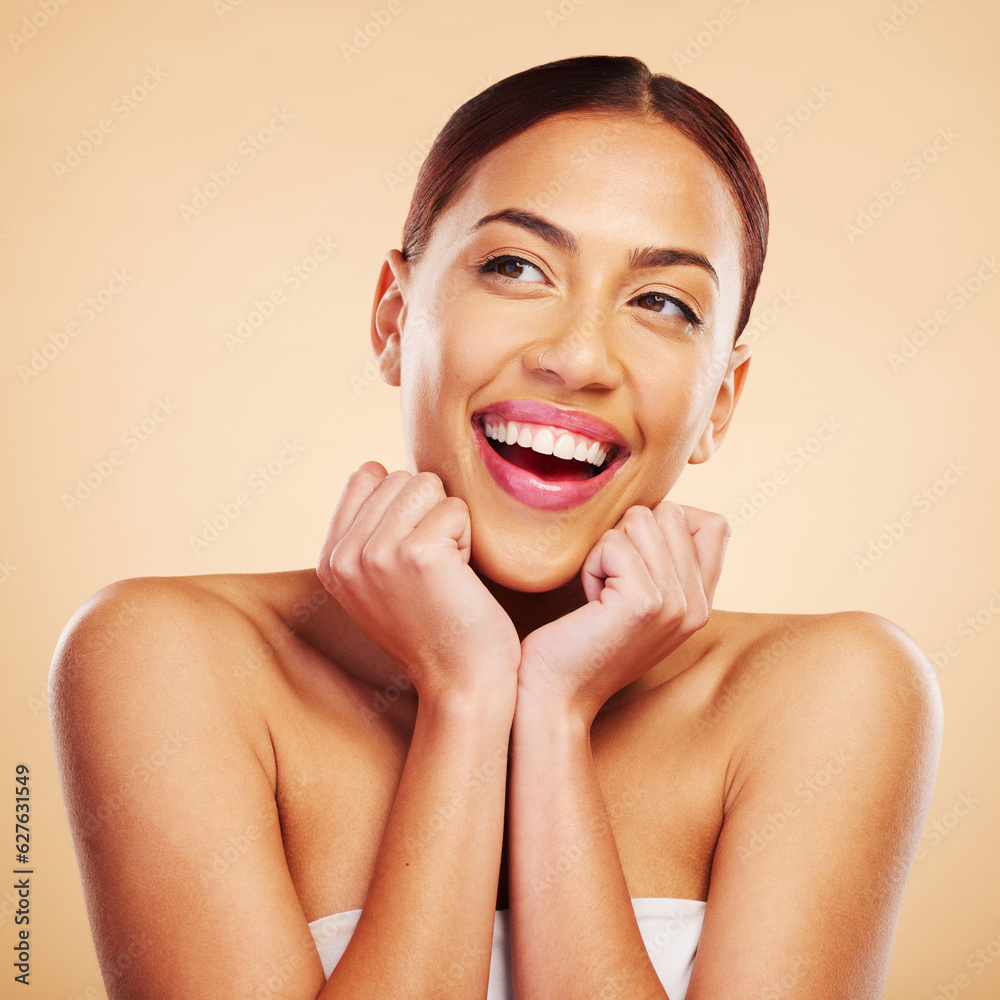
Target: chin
(534, 567)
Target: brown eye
(508, 266)
(662, 303)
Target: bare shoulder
(217, 611)
(159, 650)
(833, 725)
(161, 741)
(787, 663)
(808, 689)
(137, 615)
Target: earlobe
(389, 316)
(725, 403)
(705, 447)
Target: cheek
(433, 351)
(675, 412)
(672, 400)
(473, 344)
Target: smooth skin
(466, 686)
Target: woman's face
(565, 241)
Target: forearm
(573, 927)
(430, 907)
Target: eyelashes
(686, 311)
(487, 265)
(508, 261)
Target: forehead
(610, 179)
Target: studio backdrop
(196, 198)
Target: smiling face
(611, 244)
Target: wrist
(475, 705)
(543, 709)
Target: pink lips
(535, 411)
(526, 486)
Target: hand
(397, 559)
(649, 583)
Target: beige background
(352, 121)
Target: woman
(504, 741)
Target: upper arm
(170, 795)
(827, 804)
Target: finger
(373, 510)
(710, 533)
(357, 493)
(358, 488)
(408, 506)
(614, 565)
(673, 522)
(662, 539)
(447, 523)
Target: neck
(529, 611)
(336, 635)
(332, 631)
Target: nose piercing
(540, 365)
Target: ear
(725, 403)
(389, 315)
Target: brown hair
(590, 83)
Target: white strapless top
(670, 929)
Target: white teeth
(565, 446)
(597, 454)
(543, 442)
(546, 440)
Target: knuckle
(340, 564)
(416, 553)
(666, 512)
(614, 536)
(429, 480)
(375, 558)
(636, 516)
(676, 609)
(675, 510)
(414, 499)
(652, 605)
(324, 570)
(422, 488)
(697, 612)
(361, 478)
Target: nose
(579, 356)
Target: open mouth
(550, 454)
(547, 457)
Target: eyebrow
(647, 257)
